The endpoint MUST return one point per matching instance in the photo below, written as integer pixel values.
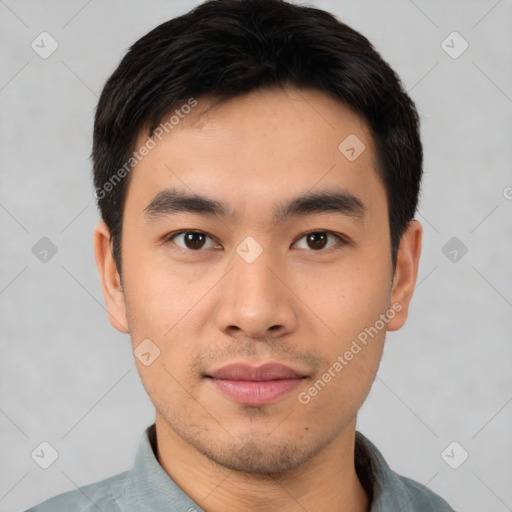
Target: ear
(406, 272)
(110, 279)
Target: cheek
(335, 396)
(350, 301)
(159, 295)
(162, 306)
(352, 355)
(347, 297)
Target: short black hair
(227, 48)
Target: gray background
(68, 377)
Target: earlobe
(110, 279)
(406, 272)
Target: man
(257, 166)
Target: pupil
(317, 240)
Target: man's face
(252, 310)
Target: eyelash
(342, 240)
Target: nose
(256, 300)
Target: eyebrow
(172, 201)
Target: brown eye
(318, 240)
(192, 240)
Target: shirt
(147, 487)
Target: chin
(261, 456)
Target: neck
(328, 482)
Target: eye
(318, 240)
(192, 240)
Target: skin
(295, 304)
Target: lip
(255, 385)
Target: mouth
(255, 385)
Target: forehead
(265, 144)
